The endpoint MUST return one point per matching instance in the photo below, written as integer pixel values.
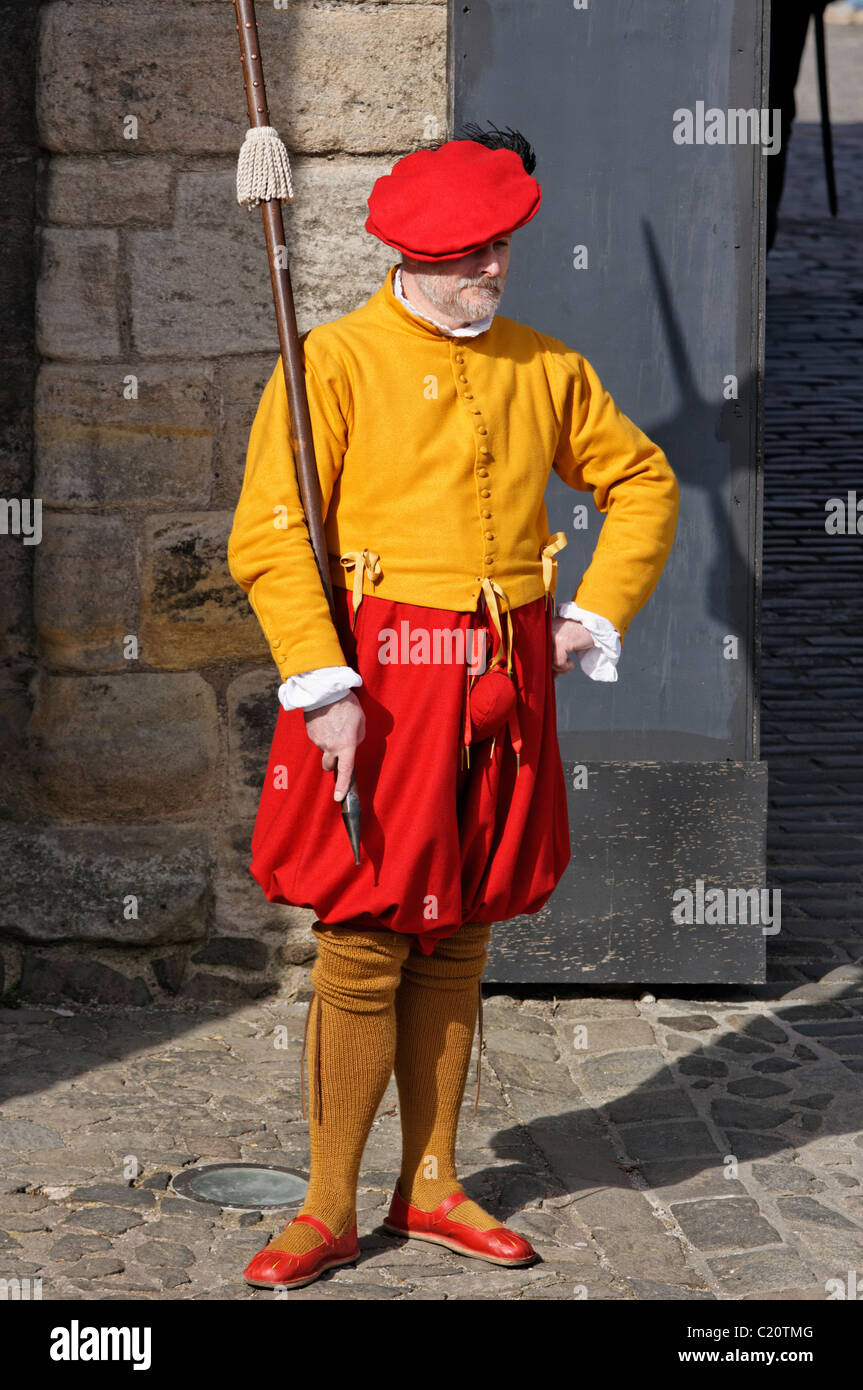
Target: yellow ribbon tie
(362, 562)
(554, 544)
(490, 587)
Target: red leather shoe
(271, 1269)
(499, 1246)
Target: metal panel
(669, 312)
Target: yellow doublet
(434, 454)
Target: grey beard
(445, 296)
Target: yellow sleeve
(269, 551)
(602, 451)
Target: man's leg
(437, 1004)
(355, 977)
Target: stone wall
(141, 705)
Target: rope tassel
(263, 168)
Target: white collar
(470, 332)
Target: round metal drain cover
(241, 1186)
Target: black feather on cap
(507, 139)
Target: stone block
(19, 29)
(16, 425)
(16, 585)
(95, 447)
(83, 982)
(170, 972)
(221, 989)
(76, 298)
(202, 288)
(85, 590)
(240, 904)
(124, 746)
(242, 382)
(193, 612)
(63, 883)
(253, 708)
(111, 191)
(16, 264)
(240, 951)
(352, 77)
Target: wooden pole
(289, 345)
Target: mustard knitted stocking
(436, 1011)
(355, 978)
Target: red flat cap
(437, 205)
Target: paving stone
(157, 1181)
(111, 1220)
(723, 1223)
(757, 1026)
(775, 1065)
(820, 1101)
(786, 1178)
(14, 1202)
(518, 1044)
(757, 1271)
(668, 1140)
(16, 1223)
(727, 1112)
(655, 1105)
(163, 1252)
(757, 1086)
(621, 1071)
(806, 1209)
(24, 1136)
(702, 1066)
(745, 1046)
(96, 1267)
(610, 1034)
(684, 1179)
(601, 1007)
(748, 1144)
(115, 1195)
(72, 1247)
(689, 1023)
(649, 1291)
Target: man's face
(469, 288)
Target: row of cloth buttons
(485, 453)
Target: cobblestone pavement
(699, 1147)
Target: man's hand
(337, 729)
(567, 636)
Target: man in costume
(436, 423)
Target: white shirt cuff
(599, 661)
(314, 689)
